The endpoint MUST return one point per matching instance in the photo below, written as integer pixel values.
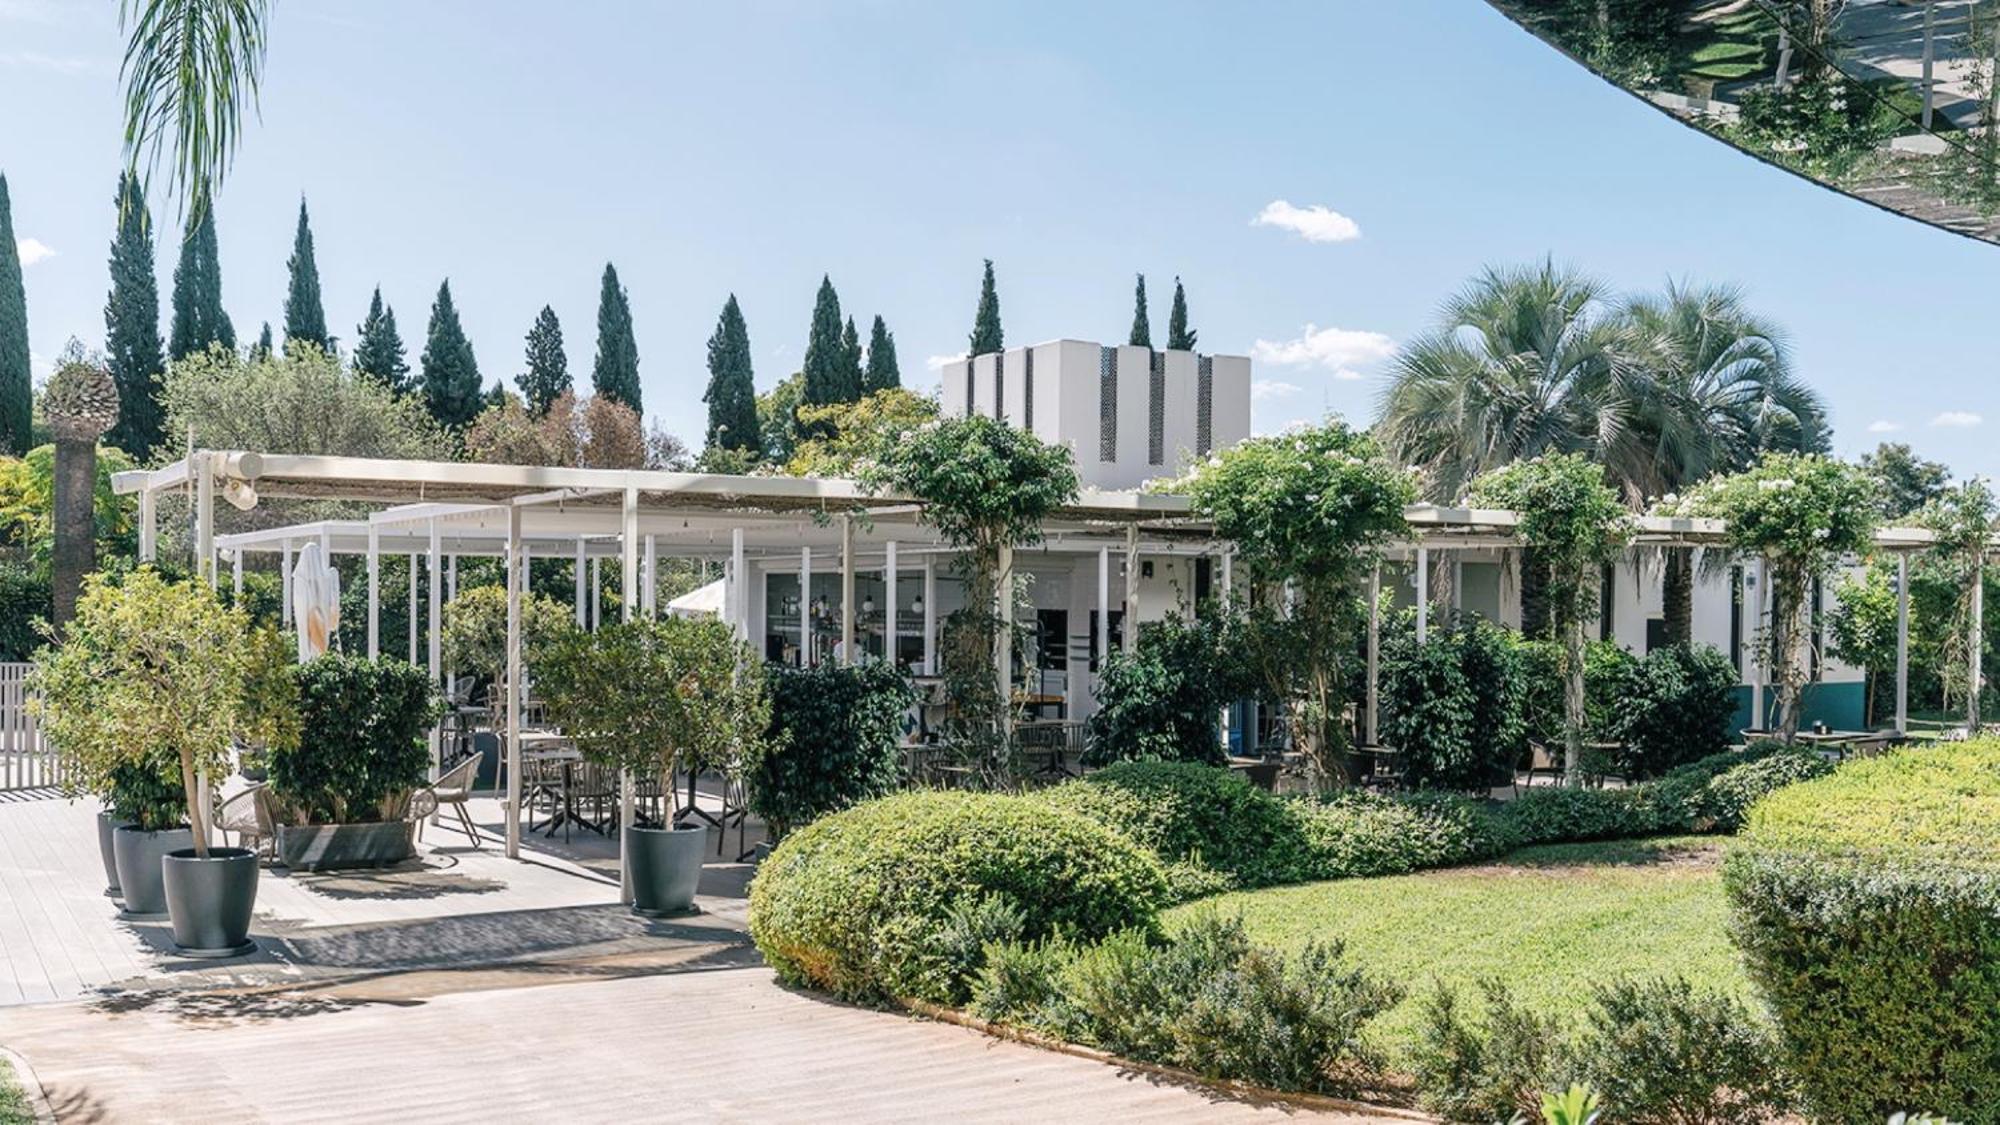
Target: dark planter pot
(326, 847)
(137, 854)
(210, 900)
(665, 864)
(107, 825)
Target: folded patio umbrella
(315, 601)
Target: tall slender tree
(132, 344)
(16, 378)
(1180, 338)
(378, 347)
(986, 334)
(1142, 324)
(825, 365)
(305, 314)
(616, 374)
(199, 319)
(452, 389)
(265, 343)
(732, 388)
(882, 373)
(546, 378)
(850, 370)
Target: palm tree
(1708, 387)
(190, 68)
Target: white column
(204, 519)
(1228, 576)
(517, 581)
(374, 589)
(1975, 649)
(1103, 606)
(582, 611)
(805, 606)
(149, 526)
(930, 615)
(413, 609)
(889, 611)
(1423, 594)
(435, 644)
(1754, 620)
(846, 590)
(285, 589)
(451, 578)
(597, 592)
(236, 576)
(1374, 653)
(1902, 643)
(628, 574)
(651, 598)
(1131, 587)
(1003, 639)
(741, 573)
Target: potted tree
(160, 676)
(341, 793)
(661, 693)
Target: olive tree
(1309, 509)
(1571, 523)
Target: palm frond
(190, 69)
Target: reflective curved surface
(1889, 101)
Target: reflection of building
(1129, 414)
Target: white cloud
(1317, 223)
(1343, 351)
(1273, 388)
(1956, 419)
(938, 362)
(33, 250)
(1884, 426)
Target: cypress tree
(1142, 325)
(547, 376)
(262, 350)
(17, 387)
(732, 387)
(986, 335)
(850, 371)
(1180, 337)
(305, 315)
(199, 319)
(825, 366)
(882, 372)
(378, 347)
(616, 374)
(132, 346)
(452, 389)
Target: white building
(1129, 414)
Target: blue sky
(751, 146)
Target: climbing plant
(1961, 519)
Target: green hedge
(835, 740)
(1867, 906)
(880, 900)
(1186, 812)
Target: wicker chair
(453, 788)
(248, 814)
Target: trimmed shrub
(858, 902)
(1453, 706)
(835, 740)
(1484, 1069)
(1867, 906)
(1727, 797)
(1672, 707)
(1355, 834)
(1193, 814)
(1161, 701)
(1553, 814)
(361, 747)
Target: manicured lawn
(13, 1100)
(1547, 921)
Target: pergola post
(204, 519)
(628, 574)
(374, 590)
(1902, 643)
(930, 616)
(236, 577)
(1974, 656)
(1003, 636)
(413, 609)
(149, 526)
(1131, 587)
(1756, 647)
(651, 598)
(582, 615)
(1103, 606)
(1423, 594)
(1374, 654)
(846, 590)
(597, 592)
(436, 636)
(805, 606)
(889, 610)
(739, 579)
(285, 588)
(516, 583)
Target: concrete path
(722, 1045)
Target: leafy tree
(594, 433)
(850, 367)
(450, 372)
(778, 418)
(1961, 522)
(882, 372)
(475, 630)
(199, 319)
(27, 505)
(825, 365)
(846, 435)
(547, 376)
(1575, 525)
(1311, 508)
(305, 315)
(986, 334)
(732, 387)
(1861, 630)
(1142, 325)
(1454, 705)
(132, 325)
(1907, 482)
(378, 347)
(16, 377)
(616, 372)
(1180, 338)
(1159, 701)
(303, 401)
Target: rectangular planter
(325, 847)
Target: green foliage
(132, 345)
(190, 68)
(615, 374)
(303, 401)
(1180, 338)
(1186, 812)
(360, 749)
(835, 740)
(1576, 1105)
(984, 484)
(1671, 708)
(17, 388)
(1354, 834)
(732, 389)
(1904, 481)
(850, 902)
(450, 378)
(27, 505)
(1142, 327)
(475, 630)
(1605, 666)
(200, 322)
(825, 365)
(1454, 706)
(846, 436)
(1867, 906)
(545, 374)
(1861, 629)
(378, 347)
(883, 373)
(305, 313)
(850, 362)
(27, 602)
(147, 793)
(777, 422)
(1161, 701)
(1483, 1068)
(986, 334)
(667, 692)
(1961, 520)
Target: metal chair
(454, 788)
(1540, 761)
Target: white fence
(26, 761)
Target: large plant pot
(326, 847)
(137, 854)
(665, 864)
(210, 900)
(107, 824)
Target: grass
(1547, 921)
(14, 1109)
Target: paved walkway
(712, 1046)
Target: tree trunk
(191, 789)
(1677, 595)
(75, 523)
(1573, 703)
(1787, 602)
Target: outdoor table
(550, 746)
(1053, 735)
(1382, 763)
(1837, 741)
